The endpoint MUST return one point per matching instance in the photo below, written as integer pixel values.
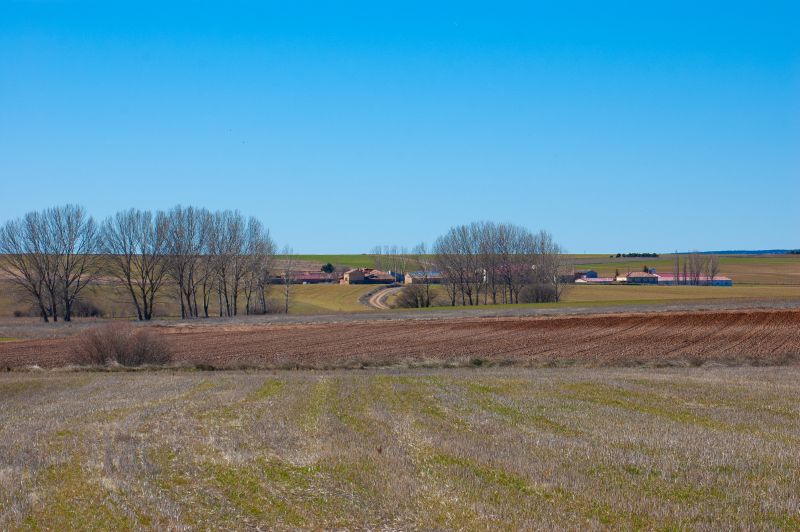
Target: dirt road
(378, 299)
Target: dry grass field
(643, 293)
(304, 299)
(588, 295)
(426, 449)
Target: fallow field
(681, 338)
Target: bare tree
(135, 244)
(402, 264)
(421, 293)
(53, 256)
(548, 263)
(73, 238)
(26, 263)
(676, 268)
(377, 257)
(447, 261)
(712, 268)
(228, 248)
(697, 265)
(287, 276)
(258, 251)
(264, 282)
(515, 247)
(189, 232)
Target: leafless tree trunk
(135, 243)
(26, 262)
(676, 268)
(424, 298)
(377, 257)
(288, 275)
(258, 251)
(189, 232)
(697, 265)
(79, 239)
(712, 268)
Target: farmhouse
(367, 276)
(670, 279)
(354, 276)
(422, 276)
(641, 278)
(595, 280)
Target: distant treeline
(635, 255)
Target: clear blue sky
(618, 126)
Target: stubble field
(426, 449)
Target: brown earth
(757, 337)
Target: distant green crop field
(780, 269)
(352, 261)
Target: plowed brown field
(677, 338)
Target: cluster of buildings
(361, 276)
(372, 276)
(651, 277)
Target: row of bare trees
(53, 255)
(205, 255)
(501, 262)
(694, 267)
(392, 258)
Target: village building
(595, 280)
(669, 279)
(641, 278)
(368, 276)
(354, 276)
(422, 277)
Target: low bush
(86, 309)
(413, 296)
(121, 343)
(538, 293)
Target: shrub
(29, 312)
(86, 309)
(413, 296)
(123, 344)
(538, 293)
